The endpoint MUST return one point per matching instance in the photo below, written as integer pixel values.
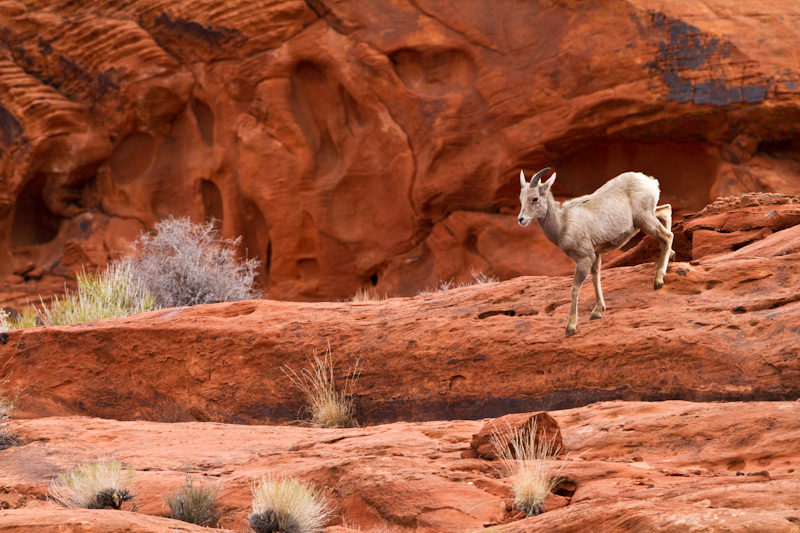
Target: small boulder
(546, 427)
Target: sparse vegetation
(527, 456)
(9, 400)
(185, 264)
(479, 278)
(95, 485)
(366, 294)
(287, 505)
(27, 319)
(193, 503)
(327, 405)
(108, 294)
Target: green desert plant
(193, 503)
(185, 264)
(527, 456)
(327, 405)
(95, 485)
(107, 294)
(287, 505)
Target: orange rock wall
(374, 143)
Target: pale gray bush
(185, 264)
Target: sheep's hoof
(596, 315)
(657, 284)
(570, 331)
(672, 255)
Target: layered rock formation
(666, 467)
(722, 328)
(364, 143)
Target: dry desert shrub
(328, 406)
(287, 505)
(186, 264)
(193, 503)
(111, 293)
(95, 485)
(528, 456)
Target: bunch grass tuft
(287, 505)
(528, 456)
(328, 406)
(95, 485)
(193, 503)
(111, 293)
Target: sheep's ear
(522, 182)
(549, 183)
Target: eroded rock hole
(132, 157)
(373, 279)
(212, 202)
(433, 69)
(315, 102)
(205, 120)
(33, 222)
(506, 312)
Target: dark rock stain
(689, 49)
(211, 35)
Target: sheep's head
(533, 197)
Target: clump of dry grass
(193, 503)
(29, 318)
(9, 400)
(287, 505)
(185, 264)
(95, 485)
(478, 278)
(327, 405)
(365, 294)
(528, 457)
(111, 293)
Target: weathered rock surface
(724, 226)
(371, 144)
(722, 328)
(663, 466)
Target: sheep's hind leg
(664, 215)
(599, 303)
(655, 228)
(582, 268)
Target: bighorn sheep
(600, 222)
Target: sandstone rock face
(667, 466)
(363, 143)
(722, 328)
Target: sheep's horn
(522, 181)
(536, 177)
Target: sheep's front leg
(599, 302)
(582, 268)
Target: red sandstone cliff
(363, 143)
